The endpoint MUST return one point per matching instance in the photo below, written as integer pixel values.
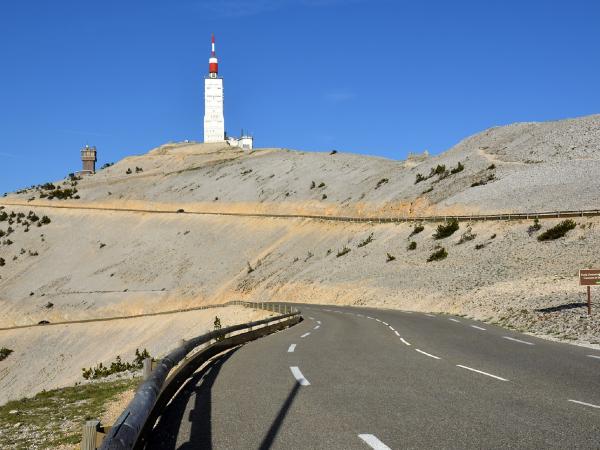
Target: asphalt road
(356, 378)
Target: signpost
(589, 278)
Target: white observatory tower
(214, 122)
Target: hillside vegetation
(87, 263)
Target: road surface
(360, 378)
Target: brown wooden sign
(589, 277)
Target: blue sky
(379, 77)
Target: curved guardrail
(154, 393)
(367, 219)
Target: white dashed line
(299, 377)
(391, 328)
(386, 324)
(397, 334)
(429, 315)
(594, 356)
(585, 404)
(454, 320)
(319, 322)
(478, 328)
(373, 442)
(369, 317)
(292, 348)
(360, 315)
(311, 318)
(404, 341)
(378, 320)
(482, 373)
(317, 327)
(305, 334)
(427, 354)
(518, 340)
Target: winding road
(360, 378)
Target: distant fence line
(352, 219)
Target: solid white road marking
(478, 328)
(373, 442)
(518, 340)
(317, 327)
(594, 356)
(429, 315)
(454, 320)
(305, 334)
(585, 404)
(299, 377)
(404, 341)
(482, 373)
(397, 334)
(292, 348)
(427, 354)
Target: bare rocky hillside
(103, 263)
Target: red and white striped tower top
(213, 62)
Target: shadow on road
(562, 307)
(276, 425)
(172, 420)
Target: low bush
(117, 366)
(2, 262)
(467, 236)
(128, 171)
(333, 152)
(557, 231)
(459, 168)
(324, 196)
(45, 220)
(366, 241)
(389, 257)
(416, 230)
(535, 227)
(479, 246)
(250, 268)
(419, 178)
(321, 185)
(343, 251)
(412, 246)
(139, 169)
(491, 167)
(438, 255)
(3, 216)
(4, 352)
(381, 182)
(313, 184)
(446, 229)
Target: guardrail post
(90, 428)
(147, 368)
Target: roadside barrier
(164, 378)
(372, 219)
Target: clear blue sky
(378, 77)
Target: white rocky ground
(102, 263)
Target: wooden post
(589, 292)
(147, 368)
(89, 435)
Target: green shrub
(343, 251)
(535, 227)
(4, 352)
(416, 230)
(2, 262)
(128, 171)
(467, 236)
(381, 182)
(479, 246)
(419, 178)
(313, 185)
(557, 231)
(389, 257)
(117, 366)
(250, 268)
(45, 220)
(446, 229)
(438, 255)
(458, 168)
(3, 216)
(412, 246)
(321, 185)
(491, 167)
(367, 241)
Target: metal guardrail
(155, 392)
(372, 219)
